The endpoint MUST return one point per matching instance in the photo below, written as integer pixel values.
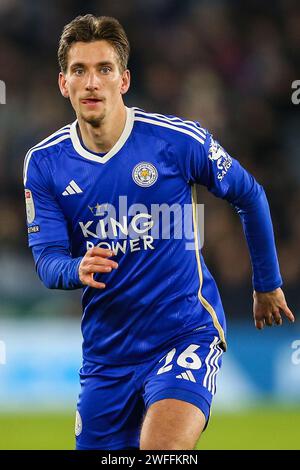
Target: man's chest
(130, 182)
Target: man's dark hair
(89, 28)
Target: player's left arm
(268, 307)
(210, 165)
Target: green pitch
(259, 428)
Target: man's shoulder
(47, 146)
(53, 139)
(168, 126)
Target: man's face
(93, 81)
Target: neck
(102, 138)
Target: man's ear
(125, 82)
(62, 83)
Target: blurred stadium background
(228, 64)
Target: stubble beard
(94, 121)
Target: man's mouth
(91, 100)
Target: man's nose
(92, 82)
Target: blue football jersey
(139, 199)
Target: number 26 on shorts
(187, 359)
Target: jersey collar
(115, 149)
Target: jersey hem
(108, 360)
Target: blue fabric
(114, 399)
(258, 229)
(55, 266)
(88, 200)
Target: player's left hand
(268, 307)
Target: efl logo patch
(30, 211)
(144, 174)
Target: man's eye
(105, 70)
(78, 71)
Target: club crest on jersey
(30, 211)
(144, 174)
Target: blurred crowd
(227, 64)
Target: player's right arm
(95, 261)
(58, 270)
(49, 237)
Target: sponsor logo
(136, 226)
(218, 155)
(30, 211)
(187, 375)
(71, 189)
(100, 209)
(34, 229)
(144, 174)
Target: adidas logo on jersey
(72, 188)
(187, 375)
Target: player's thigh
(109, 410)
(171, 424)
(186, 374)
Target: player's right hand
(96, 261)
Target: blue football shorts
(114, 399)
